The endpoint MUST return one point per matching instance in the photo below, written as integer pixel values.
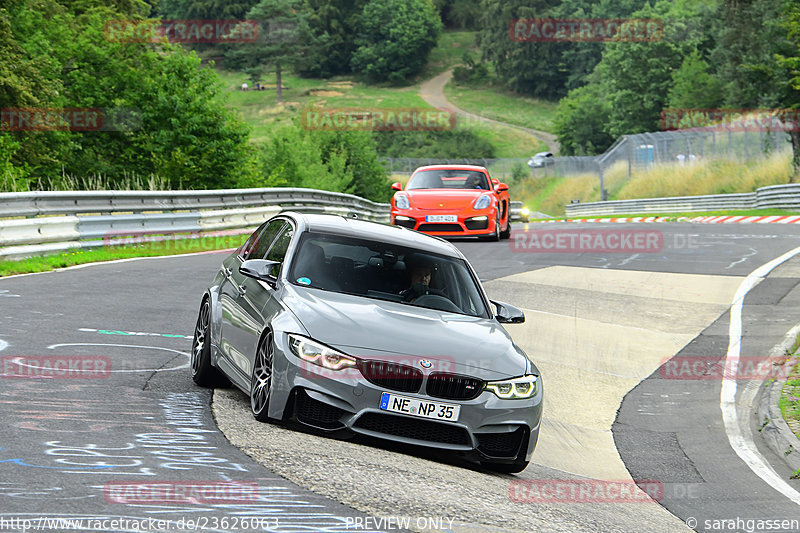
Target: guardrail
(36, 223)
(775, 197)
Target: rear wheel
(261, 380)
(203, 372)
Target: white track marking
(745, 448)
(3, 345)
(185, 365)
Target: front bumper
(488, 428)
(476, 224)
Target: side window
(257, 248)
(278, 250)
(244, 249)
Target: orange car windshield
(449, 179)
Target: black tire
(506, 468)
(203, 372)
(494, 237)
(506, 233)
(261, 379)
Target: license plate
(420, 408)
(441, 218)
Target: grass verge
(81, 256)
(717, 176)
(789, 401)
(490, 102)
(693, 214)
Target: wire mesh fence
(638, 152)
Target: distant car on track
(453, 201)
(350, 326)
(542, 159)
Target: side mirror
(502, 187)
(260, 269)
(396, 186)
(495, 182)
(508, 314)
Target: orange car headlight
(483, 202)
(401, 201)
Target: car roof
(353, 227)
(452, 166)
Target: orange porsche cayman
(453, 200)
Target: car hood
(402, 333)
(443, 199)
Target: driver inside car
(419, 283)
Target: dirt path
(432, 91)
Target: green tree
(333, 25)
(282, 39)
(638, 76)
(206, 9)
(581, 120)
(523, 67)
(459, 14)
(341, 161)
(790, 61)
(176, 125)
(395, 38)
(750, 35)
(693, 86)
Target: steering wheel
(434, 301)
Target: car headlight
(514, 389)
(483, 202)
(319, 354)
(401, 201)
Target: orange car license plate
(441, 218)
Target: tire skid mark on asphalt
(744, 447)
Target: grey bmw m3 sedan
(350, 326)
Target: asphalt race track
(601, 326)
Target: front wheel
(203, 372)
(494, 237)
(261, 380)
(506, 233)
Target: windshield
(449, 179)
(386, 272)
